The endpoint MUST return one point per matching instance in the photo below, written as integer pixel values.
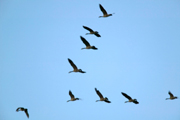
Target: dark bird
(72, 97)
(130, 99)
(105, 14)
(91, 31)
(23, 109)
(101, 97)
(172, 97)
(88, 46)
(75, 67)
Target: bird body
(72, 97)
(75, 67)
(23, 109)
(88, 46)
(105, 14)
(172, 97)
(129, 98)
(91, 31)
(101, 97)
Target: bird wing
(94, 48)
(97, 35)
(71, 95)
(171, 95)
(85, 41)
(19, 108)
(72, 64)
(26, 111)
(136, 102)
(102, 9)
(99, 94)
(82, 71)
(107, 101)
(127, 96)
(89, 29)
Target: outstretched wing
(99, 94)
(26, 111)
(72, 64)
(71, 95)
(89, 29)
(127, 96)
(136, 102)
(82, 71)
(98, 35)
(102, 9)
(85, 41)
(171, 95)
(107, 101)
(19, 109)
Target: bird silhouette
(23, 109)
(101, 97)
(75, 67)
(130, 99)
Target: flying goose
(130, 99)
(91, 31)
(72, 97)
(88, 46)
(172, 97)
(75, 67)
(23, 109)
(105, 14)
(101, 97)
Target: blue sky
(138, 54)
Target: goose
(72, 97)
(75, 67)
(172, 97)
(91, 31)
(130, 99)
(105, 14)
(101, 97)
(88, 46)
(23, 109)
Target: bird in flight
(105, 14)
(23, 109)
(91, 31)
(72, 97)
(88, 46)
(75, 67)
(130, 99)
(172, 97)
(101, 97)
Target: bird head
(93, 47)
(106, 98)
(81, 71)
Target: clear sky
(138, 53)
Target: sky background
(138, 53)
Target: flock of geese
(75, 69)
